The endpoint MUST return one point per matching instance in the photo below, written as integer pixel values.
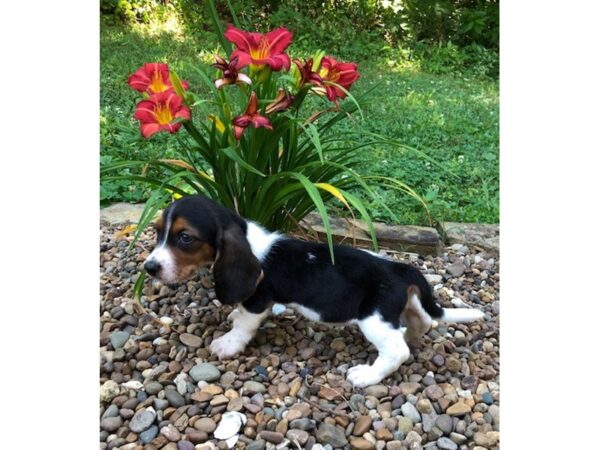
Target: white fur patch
(260, 240)
(459, 315)
(310, 314)
(390, 345)
(163, 256)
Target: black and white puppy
(256, 268)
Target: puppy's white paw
(233, 315)
(363, 375)
(228, 345)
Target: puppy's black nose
(152, 267)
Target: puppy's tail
(450, 315)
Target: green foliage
(442, 105)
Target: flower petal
(279, 39)
(243, 78)
(252, 104)
(259, 121)
(243, 58)
(148, 129)
(240, 38)
(238, 131)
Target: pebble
(405, 424)
(205, 372)
(361, 444)
(444, 423)
(330, 434)
(109, 390)
(171, 433)
(271, 436)
(303, 424)
(362, 425)
(149, 434)
(142, 420)
(377, 390)
(185, 445)
(111, 423)
(175, 398)
(205, 424)
(119, 338)
(256, 445)
(297, 435)
(409, 410)
(445, 443)
(458, 409)
(253, 387)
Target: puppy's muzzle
(152, 267)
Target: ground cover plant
(436, 104)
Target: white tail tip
(460, 315)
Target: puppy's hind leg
(391, 347)
(418, 321)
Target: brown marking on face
(180, 224)
(159, 224)
(188, 261)
(197, 254)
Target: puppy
(255, 268)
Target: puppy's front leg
(244, 327)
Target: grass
(452, 118)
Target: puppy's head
(194, 232)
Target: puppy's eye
(185, 238)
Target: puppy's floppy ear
(237, 272)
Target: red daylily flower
(250, 117)
(306, 73)
(260, 49)
(230, 72)
(344, 74)
(153, 78)
(159, 112)
(281, 102)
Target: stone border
(403, 238)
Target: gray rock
(185, 445)
(111, 423)
(119, 338)
(458, 438)
(174, 398)
(111, 411)
(409, 410)
(149, 434)
(444, 423)
(330, 434)
(142, 420)
(444, 443)
(205, 372)
(160, 404)
(433, 278)
(297, 435)
(256, 445)
(253, 387)
(456, 269)
(303, 424)
(377, 390)
(153, 387)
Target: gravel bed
(160, 388)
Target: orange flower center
(262, 51)
(158, 84)
(330, 74)
(163, 115)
